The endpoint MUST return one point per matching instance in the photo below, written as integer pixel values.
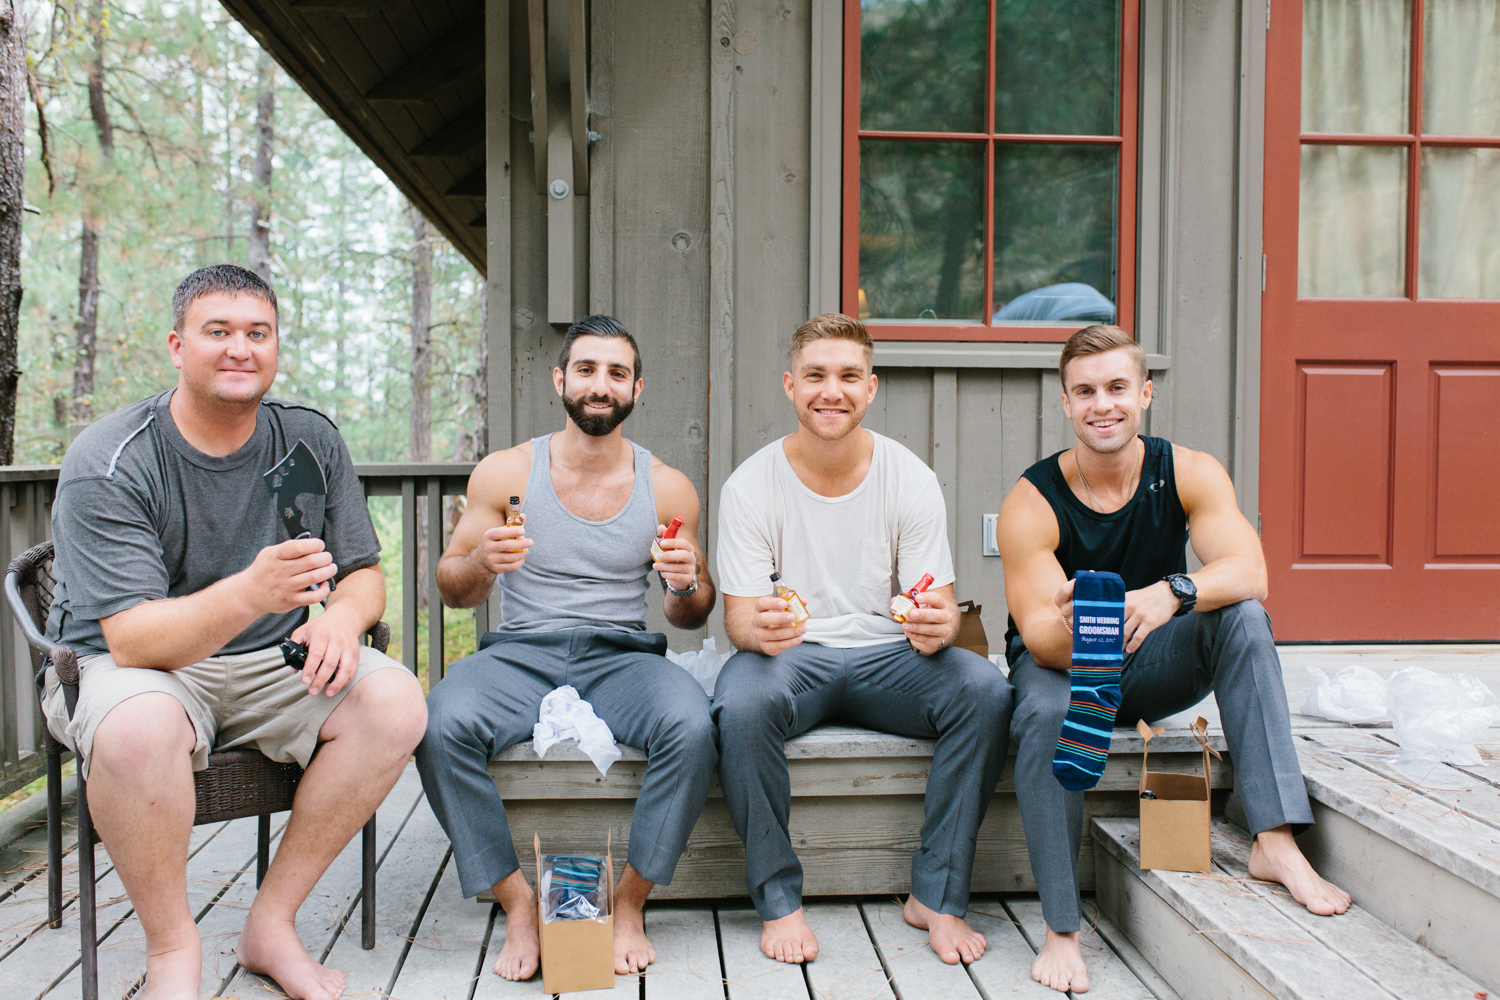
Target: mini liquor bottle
(656, 550)
(794, 604)
(513, 519)
(903, 604)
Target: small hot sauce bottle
(903, 604)
(656, 550)
(794, 603)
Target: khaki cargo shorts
(246, 699)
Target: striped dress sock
(1098, 654)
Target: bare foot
(633, 951)
(1060, 964)
(522, 951)
(789, 939)
(951, 938)
(172, 974)
(272, 948)
(1275, 857)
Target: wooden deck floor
(431, 943)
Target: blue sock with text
(1098, 654)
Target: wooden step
(1423, 857)
(1224, 934)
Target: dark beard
(596, 424)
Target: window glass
(1352, 222)
(921, 229)
(1461, 72)
(1356, 65)
(1055, 211)
(922, 65)
(1057, 67)
(1459, 251)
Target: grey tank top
(580, 573)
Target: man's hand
(679, 562)
(279, 578)
(933, 623)
(1064, 601)
(333, 648)
(503, 549)
(773, 628)
(1146, 610)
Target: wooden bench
(856, 811)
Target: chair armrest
(62, 657)
(380, 636)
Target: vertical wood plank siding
(723, 166)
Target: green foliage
(181, 83)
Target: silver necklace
(1140, 461)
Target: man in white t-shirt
(849, 518)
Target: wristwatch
(1184, 589)
(692, 589)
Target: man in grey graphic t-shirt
(176, 581)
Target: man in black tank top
(1123, 503)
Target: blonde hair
(1099, 339)
(833, 326)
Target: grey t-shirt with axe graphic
(141, 515)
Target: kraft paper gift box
(577, 955)
(1175, 824)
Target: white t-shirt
(846, 556)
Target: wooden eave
(405, 80)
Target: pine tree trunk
(421, 371)
(85, 333)
(12, 205)
(482, 385)
(260, 206)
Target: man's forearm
(176, 631)
(690, 612)
(1049, 642)
(737, 622)
(462, 581)
(1228, 581)
(360, 597)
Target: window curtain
(1459, 252)
(1356, 78)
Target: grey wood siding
(707, 198)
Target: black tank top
(1143, 541)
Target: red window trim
(988, 330)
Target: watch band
(1184, 590)
(682, 593)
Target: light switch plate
(987, 542)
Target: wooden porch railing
(25, 519)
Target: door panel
(1466, 452)
(1346, 463)
(1380, 366)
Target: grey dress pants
(956, 697)
(1229, 651)
(491, 700)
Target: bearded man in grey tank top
(573, 578)
(1121, 503)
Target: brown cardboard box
(971, 629)
(1175, 824)
(577, 954)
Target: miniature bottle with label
(903, 604)
(794, 604)
(513, 518)
(656, 550)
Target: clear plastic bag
(1438, 718)
(1354, 694)
(703, 664)
(573, 888)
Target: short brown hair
(220, 278)
(1098, 339)
(833, 326)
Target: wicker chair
(237, 783)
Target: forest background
(161, 138)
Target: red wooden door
(1380, 368)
